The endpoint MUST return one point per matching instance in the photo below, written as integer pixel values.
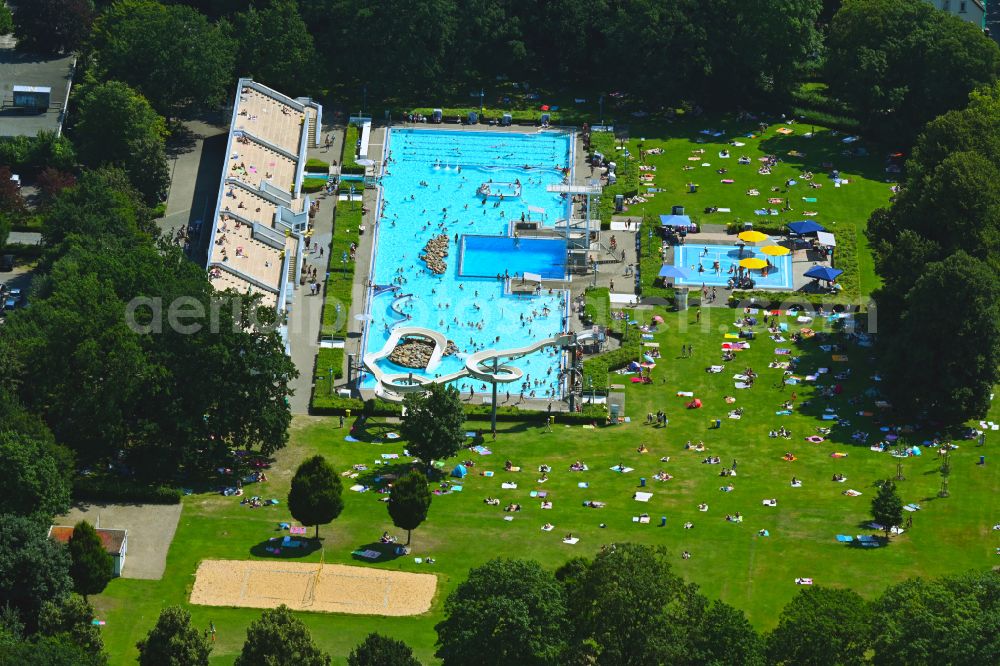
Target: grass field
(842, 210)
(729, 560)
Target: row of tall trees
(128, 354)
(937, 249)
(899, 63)
(44, 614)
(275, 638)
(894, 63)
(627, 606)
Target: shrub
(116, 489)
(348, 161)
(598, 367)
(317, 165)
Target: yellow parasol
(775, 250)
(752, 236)
(752, 262)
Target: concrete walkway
(305, 318)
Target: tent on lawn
(805, 227)
(459, 472)
(677, 221)
(825, 273)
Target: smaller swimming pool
(488, 256)
(689, 257)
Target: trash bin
(663, 521)
(718, 423)
(982, 460)
(642, 482)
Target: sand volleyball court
(326, 588)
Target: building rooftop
(261, 213)
(112, 539)
(22, 69)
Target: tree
(727, 637)
(887, 508)
(174, 642)
(379, 650)
(937, 621)
(961, 352)
(11, 201)
(634, 608)
(91, 567)
(821, 626)
(171, 54)
(505, 612)
(52, 26)
(52, 181)
(6, 20)
(35, 482)
(103, 203)
(930, 65)
(48, 651)
(315, 494)
(434, 423)
(116, 126)
(275, 47)
(409, 502)
(278, 638)
(71, 618)
(33, 568)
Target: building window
(961, 7)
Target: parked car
(7, 263)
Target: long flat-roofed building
(261, 216)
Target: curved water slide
(392, 386)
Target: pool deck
(363, 265)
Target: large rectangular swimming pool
(490, 256)
(430, 190)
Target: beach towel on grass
(843, 538)
(571, 542)
(803, 581)
(621, 471)
(508, 486)
(643, 497)
(368, 554)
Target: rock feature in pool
(434, 253)
(416, 353)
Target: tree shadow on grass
(387, 552)
(273, 548)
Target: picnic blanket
(643, 497)
(843, 538)
(508, 486)
(644, 519)
(618, 469)
(572, 542)
(367, 554)
(803, 581)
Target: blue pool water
(689, 257)
(429, 189)
(486, 256)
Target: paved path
(194, 183)
(305, 319)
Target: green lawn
(338, 286)
(843, 211)
(729, 560)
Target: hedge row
(771, 300)
(348, 161)
(327, 405)
(599, 367)
(518, 116)
(114, 489)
